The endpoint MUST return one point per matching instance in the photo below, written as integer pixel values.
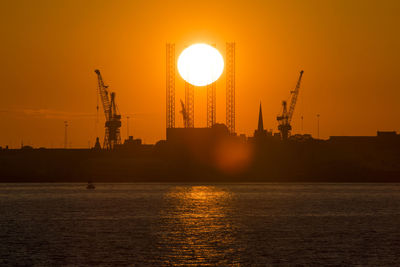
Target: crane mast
(112, 135)
(285, 119)
(184, 115)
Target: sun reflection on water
(195, 227)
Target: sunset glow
(200, 133)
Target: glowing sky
(349, 50)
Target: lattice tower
(170, 84)
(230, 87)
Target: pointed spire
(260, 121)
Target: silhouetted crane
(184, 115)
(286, 117)
(112, 136)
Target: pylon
(230, 87)
(170, 84)
(189, 104)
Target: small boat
(90, 185)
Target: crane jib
(286, 117)
(295, 95)
(113, 119)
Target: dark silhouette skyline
(51, 49)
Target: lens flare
(200, 64)
(233, 157)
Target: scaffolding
(230, 87)
(211, 102)
(189, 104)
(170, 84)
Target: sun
(200, 64)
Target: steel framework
(211, 104)
(170, 84)
(112, 135)
(285, 119)
(184, 115)
(189, 105)
(230, 87)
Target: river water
(199, 224)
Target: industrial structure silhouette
(188, 106)
(211, 154)
(112, 135)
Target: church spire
(260, 121)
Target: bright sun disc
(200, 64)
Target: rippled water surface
(193, 224)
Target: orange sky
(348, 49)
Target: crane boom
(295, 94)
(103, 95)
(285, 119)
(113, 118)
(184, 115)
